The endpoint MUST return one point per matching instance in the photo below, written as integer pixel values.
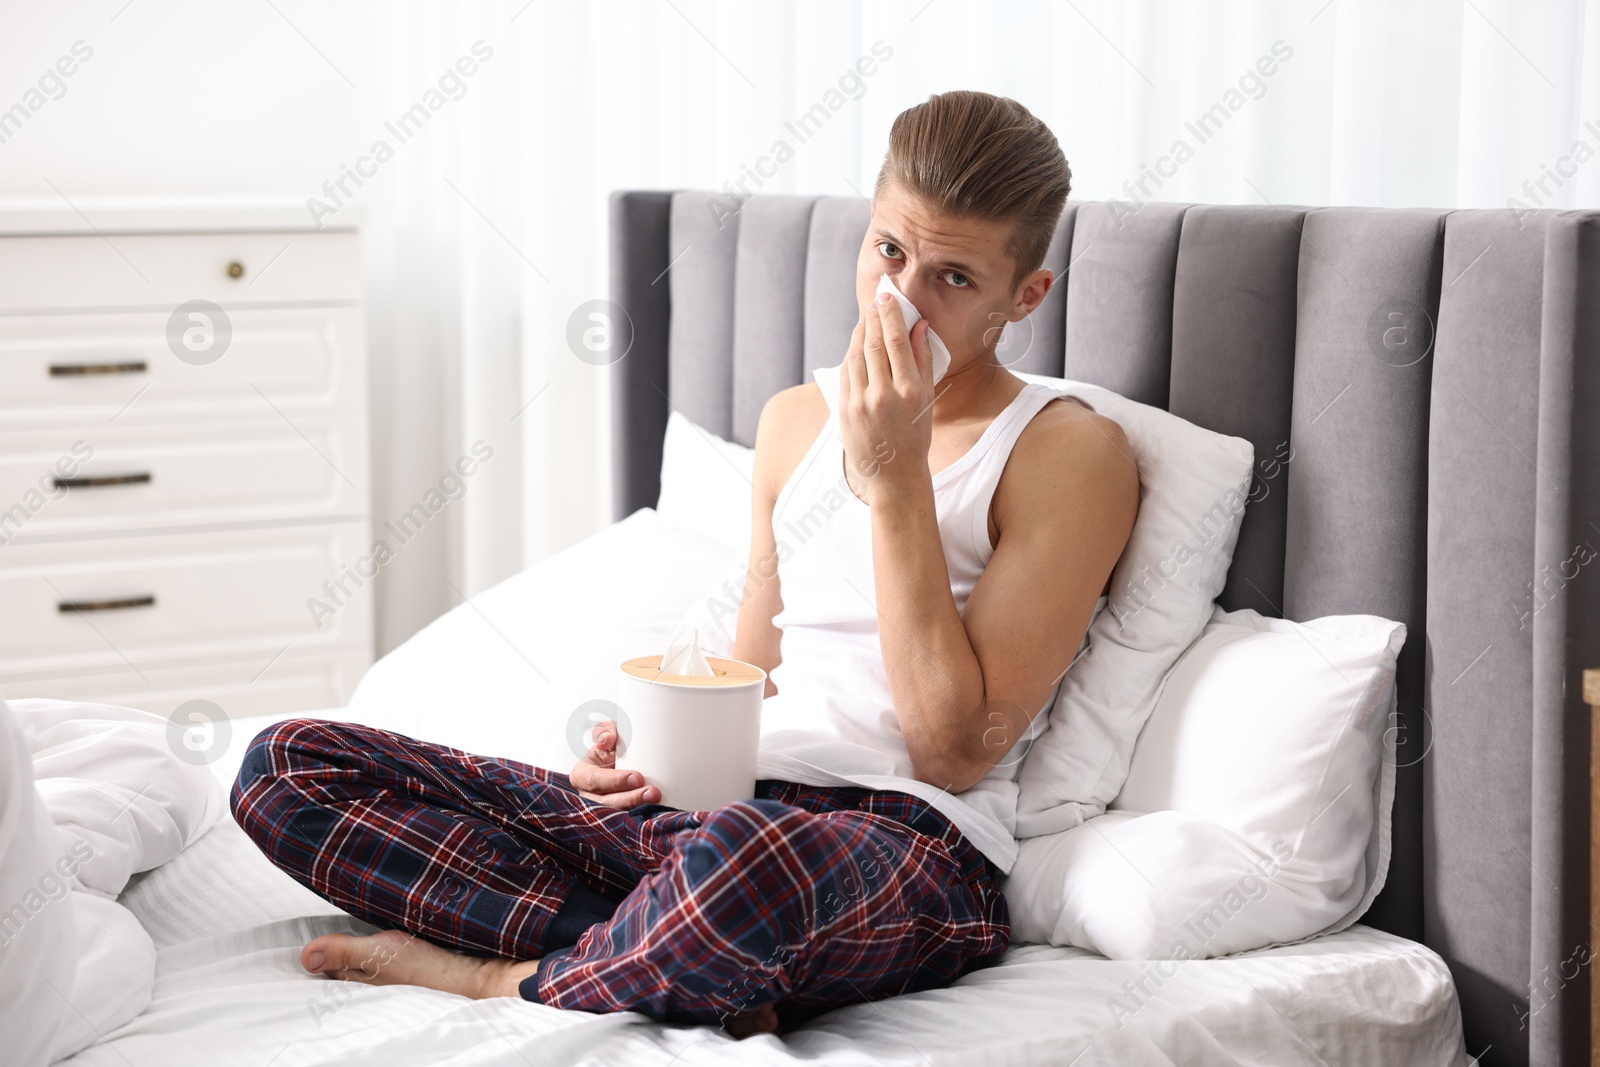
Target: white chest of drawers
(180, 480)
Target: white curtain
(491, 226)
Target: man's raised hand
(885, 393)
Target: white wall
(488, 228)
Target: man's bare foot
(394, 957)
(763, 1020)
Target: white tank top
(832, 721)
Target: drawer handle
(66, 606)
(141, 478)
(83, 370)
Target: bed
(228, 926)
(1416, 504)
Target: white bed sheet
(228, 926)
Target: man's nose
(916, 286)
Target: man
(959, 537)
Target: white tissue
(941, 354)
(683, 656)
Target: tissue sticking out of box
(683, 656)
(908, 311)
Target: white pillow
(705, 484)
(1267, 769)
(507, 673)
(1193, 487)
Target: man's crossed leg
(803, 899)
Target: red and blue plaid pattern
(806, 897)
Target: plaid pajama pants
(806, 898)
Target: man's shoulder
(798, 401)
(790, 422)
(792, 417)
(1068, 430)
(1068, 450)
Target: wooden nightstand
(183, 457)
(1591, 696)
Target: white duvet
(504, 675)
(93, 795)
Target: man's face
(956, 271)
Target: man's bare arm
(965, 688)
(790, 422)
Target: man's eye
(957, 279)
(888, 251)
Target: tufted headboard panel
(1422, 389)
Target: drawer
(90, 369)
(176, 597)
(161, 271)
(130, 477)
(241, 688)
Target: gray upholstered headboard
(1422, 389)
